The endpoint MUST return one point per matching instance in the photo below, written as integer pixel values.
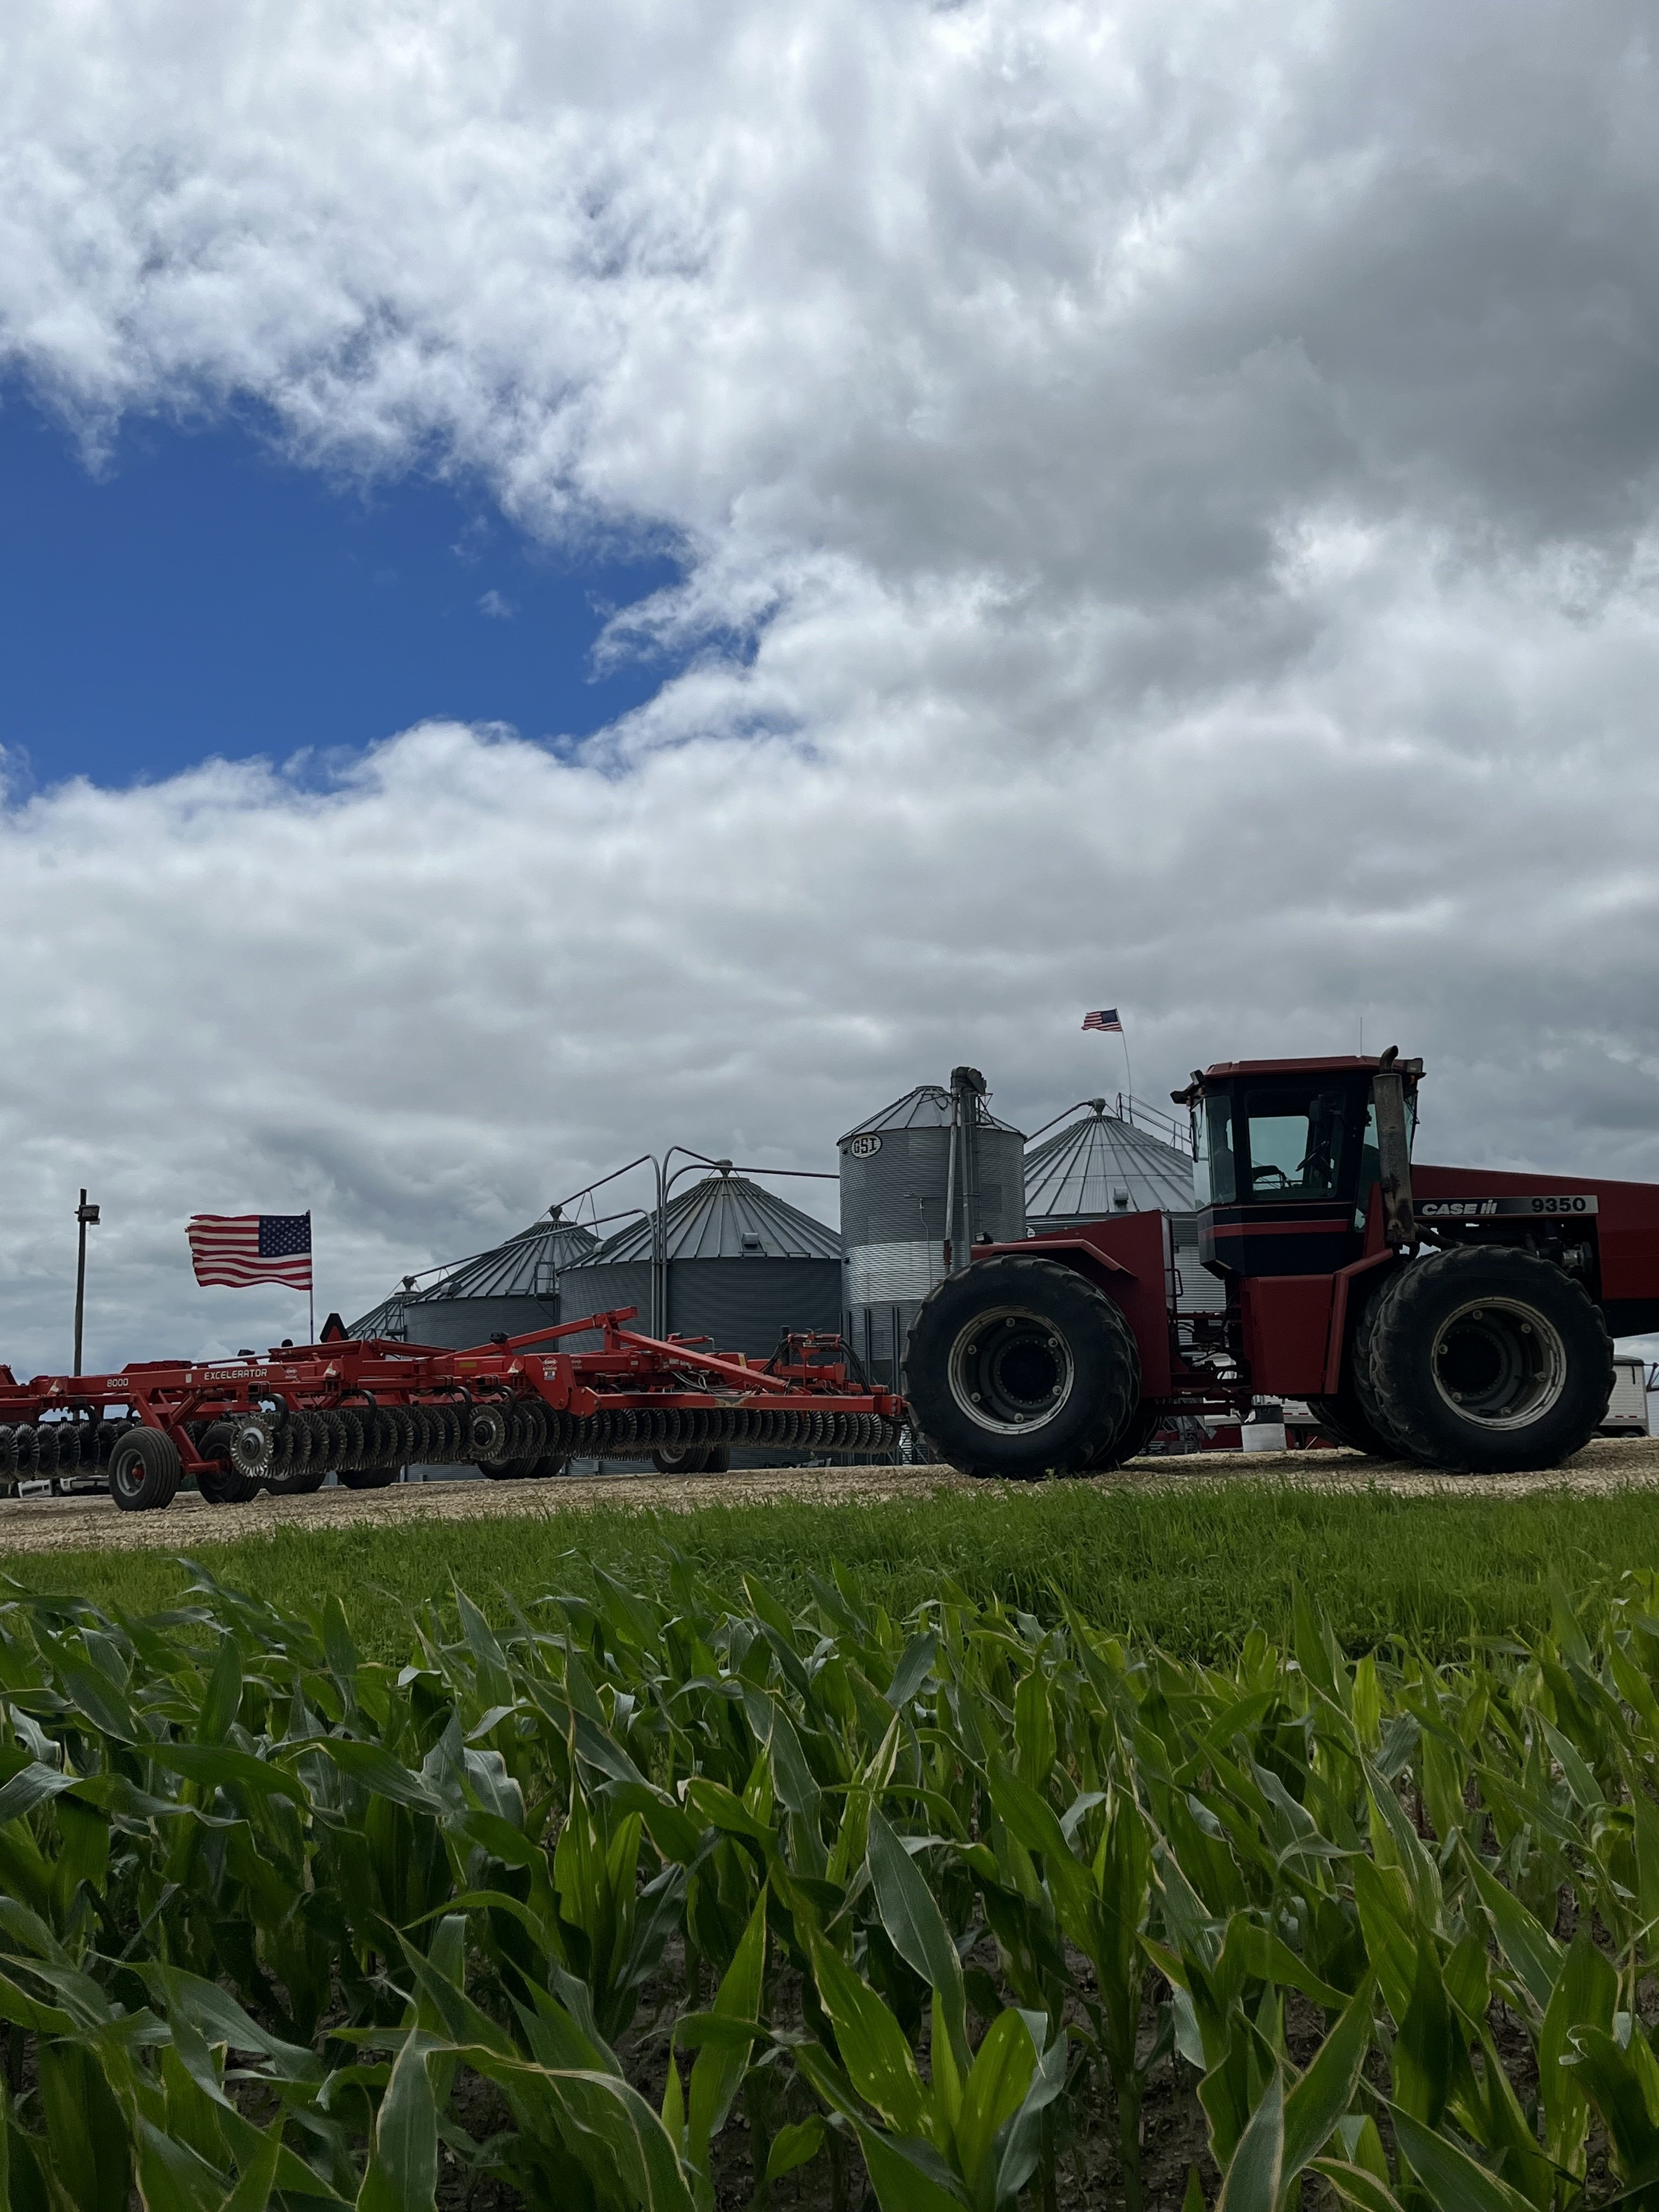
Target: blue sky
(196, 593)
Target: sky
(575, 581)
(184, 592)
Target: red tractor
(1451, 1316)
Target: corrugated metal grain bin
(896, 1184)
(508, 1290)
(742, 1266)
(1100, 1163)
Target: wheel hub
(1499, 1363)
(252, 1445)
(1011, 1370)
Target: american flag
(1105, 1019)
(238, 1249)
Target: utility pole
(84, 1214)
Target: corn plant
(932, 1906)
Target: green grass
(1194, 1569)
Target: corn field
(673, 1901)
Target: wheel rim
(1012, 1371)
(1499, 1364)
(126, 1473)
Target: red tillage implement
(520, 1407)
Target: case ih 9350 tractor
(1451, 1316)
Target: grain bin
(1099, 1161)
(920, 1181)
(508, 1290)
(741, 1266)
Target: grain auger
(516, 1408)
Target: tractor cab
(1286, 1154)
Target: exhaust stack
(1393, 1079)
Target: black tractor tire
(1483, 1361)
(1348, 1422)
(1136, 1435)
(143, 1471)
(1021, 1367)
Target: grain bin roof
(386, 1319)
(726, 1217)
(523, 1267)
(1079, 1169)
(926, 1106)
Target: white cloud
(1167, 501)
(497, 606)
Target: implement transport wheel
(143, 1471)
(290, 1471)
(510, 1470)
(220, 1485)
(322, 1452)
(501, 1445)
(1490, 1361)
(489, 1439)
(1022, 1368)
(377, 1462)
(696, 1459)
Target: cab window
(1215, 1181)
(1297, 1143)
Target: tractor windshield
(1299, 1142)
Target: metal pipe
(84, 1214)
(1099, 1105)
(967, 1088)
(659, 1269)
(950, 1193)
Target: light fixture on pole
(84, 1214)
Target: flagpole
(311, 1285)
(1128, 1073)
